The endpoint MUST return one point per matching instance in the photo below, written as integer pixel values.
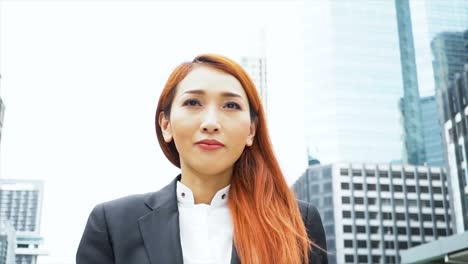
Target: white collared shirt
(205, 230)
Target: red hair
(268, 226)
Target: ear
(165, 127)
(251, 136)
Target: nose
(210, 122)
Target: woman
(230, 204)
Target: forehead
(210, 80)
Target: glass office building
(432, 131)
(353, 81)
(448, 28)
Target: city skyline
(80, 94)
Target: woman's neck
(205, 186)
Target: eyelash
(195, 100)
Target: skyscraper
(256, 67)
(373, 211)
(455, 105)
(20, 205)
(430, 141)
(353, 81)
(414, 148)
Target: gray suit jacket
(144, 229)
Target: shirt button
(223, 196)
(183, 194)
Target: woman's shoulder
(308, 211)
(126, 205)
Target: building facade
(353, 80)
(371, 212)
(256, 67)
(430, 142)
(7, 243)
(432, 132)
(21, 205)
(455, 104)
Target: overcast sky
(81, 80)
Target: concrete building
(371, 212)
(21, 205)
(7, 243)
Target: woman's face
(209, 104)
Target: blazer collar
(160, 227)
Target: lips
(211, 142)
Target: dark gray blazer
(144, 229)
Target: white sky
(81, 79)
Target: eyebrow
(224, 94)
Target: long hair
(268, 226)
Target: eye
(191, 102)
(233, 105)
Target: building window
(409, 175)
(358, 200)
(402, 245)
(422, 176)
(371, 201)
(396, 174)
(401, 230)
(345, 200)
(344, 172)
(427, 217)
(389, 245)
(441, 232)
(400, 216)
(384, 188)
(411, 189)
(362, 259)
(415, 231)
(357, 186)
(359, 215)
(357, 173)
(387, 216)
(428, 232)
(374, 229)
(345, 186)
(347, 229)
(361, 229)
(362, 244)
(371, 187)
(349, 258)
(346, 214)
(348, 243)
(398, 188)
(383, 174)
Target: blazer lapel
(160, 227)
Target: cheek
(183, 126)
(240, 130)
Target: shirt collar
(185, 196)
